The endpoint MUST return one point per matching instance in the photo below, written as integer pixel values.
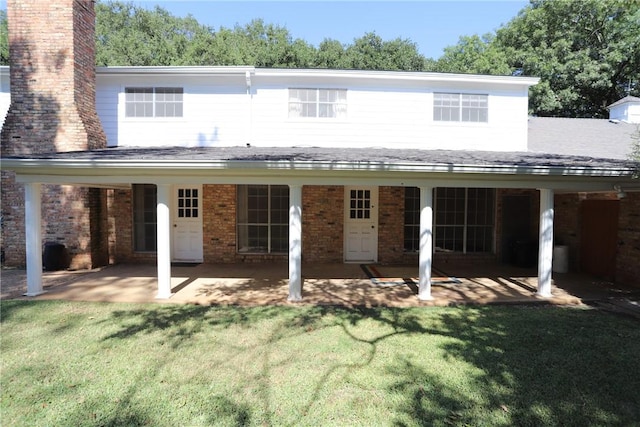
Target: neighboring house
(242, 164)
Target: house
(243, 164)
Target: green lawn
(73, 364)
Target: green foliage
(585, 52)
(474, 55)
(635, 150)
(4, 39)
(131, 35)
(370, 52)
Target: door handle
(373, 226)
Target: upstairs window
(153, 101)
(318, 103)
(460, 107)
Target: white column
(33, 237)
(163, 227)
(295, 243)
(545, 254)
(426, 243)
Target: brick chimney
(52, 78)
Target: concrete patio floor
(329, 284)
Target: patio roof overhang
(121, 167)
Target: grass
(98, 364)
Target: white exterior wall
(5, 94)
(634, 113)
(627, 112)
(215, 113)
(221, 111)
(398, 119)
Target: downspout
(249, 128)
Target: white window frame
(460, 107)
(144, 220)
(243, 220)
(469, 221)
(317, 103)
(154, 99)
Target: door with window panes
(187, 223)
(361, 224)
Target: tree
(130, 35)
(370, 52)
(474, 55)
(635, 145)
(587, 53)
(330, 54)
(4, 39)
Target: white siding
(390, 119)
(627, 112)
(219, 111)
(634, 113)
(107, 107)
(5, 94)
(215, 113)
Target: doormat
(437, 278)
(185, 264)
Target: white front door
(186, 218)
(361, 224)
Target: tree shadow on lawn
(181, 322)
(534, 366)
(521, 365)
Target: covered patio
(325, 284)
(310, 167)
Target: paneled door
(361, 224)
(187, 223)
(599, 237)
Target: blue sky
(432, 25)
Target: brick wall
(219, 222)
(52, 77)
(122, 217)
(391, 225)
(323, 228)
(567, 231)
(628, 259)
(566, 226)
(322, 223)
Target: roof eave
(92, 166)
(325, 73)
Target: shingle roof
(627, 98)
(599, 138)
(336, 155)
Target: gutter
(31, 166)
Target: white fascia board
(176, 70)
(104, 167)
(122, 179)
(416, 76)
